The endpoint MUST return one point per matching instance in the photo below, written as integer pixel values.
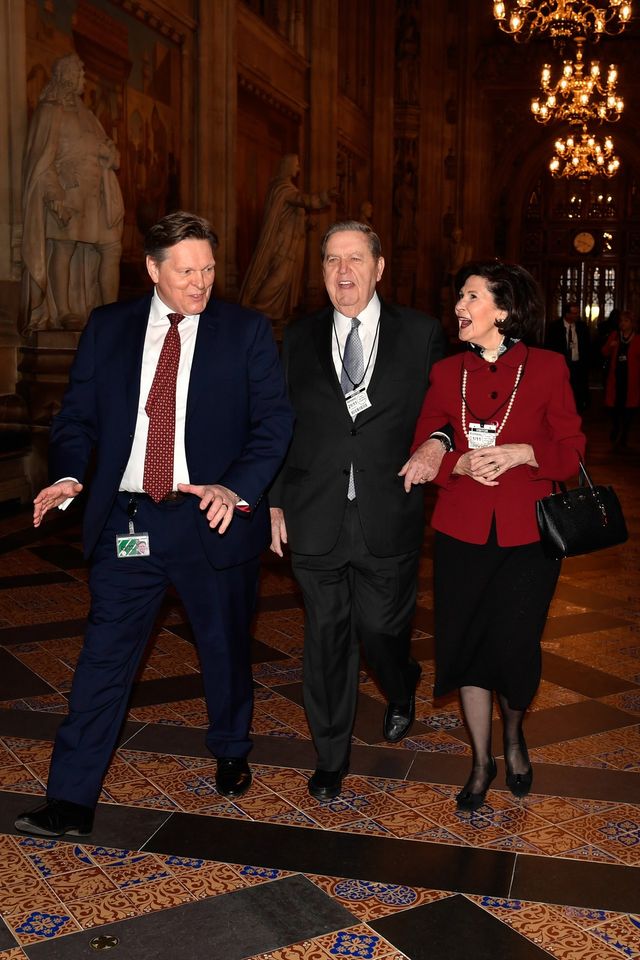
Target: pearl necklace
(507, 412)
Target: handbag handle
(584, 480)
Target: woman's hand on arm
(489, 463)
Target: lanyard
(342, 366)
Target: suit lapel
(388, 338)
(206, 337)
(323, 342)
(136, 327)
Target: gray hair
(372, 238)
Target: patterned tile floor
(394, 870)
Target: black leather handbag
(581, 520)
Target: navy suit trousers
(125, 598)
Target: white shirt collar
(160, 311)
(368, 317)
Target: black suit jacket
(311, 488)
(556, 339)
(238, 420)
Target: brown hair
(173, 229)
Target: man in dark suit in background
(345, 499)
(570, 337)
(184, 403)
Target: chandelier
(584, 158)
(562, 19)
(578, 96)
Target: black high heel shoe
(519, 783)
(466, 800)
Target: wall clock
(584, 242)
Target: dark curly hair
(514, 290)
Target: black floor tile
(279, 601)
(582, 678)
(585, 597)
(37, 632)
(114, 826)
(149, 692)
(7, 939)
(239, 924)
(574, 623)
(423, 620)
(60, 555)
(260, 652)
(455, 929)
(549, 779)
(315, 851)
(601, 886)
(423, 648)
(35, 725)
(34, 580)
(572, 721)
(18, 681)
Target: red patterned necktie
(161, 410)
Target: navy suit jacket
(238, 419)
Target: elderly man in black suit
(347, 501)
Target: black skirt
(491, 606)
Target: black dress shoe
(520, 783)
(398, 717)
(57, 818)
(326, 784)
(466, 800)
(233, 776)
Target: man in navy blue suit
(231, 424)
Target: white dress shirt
(369, 331)
(573, 346)
(132, 478)
(157, 327)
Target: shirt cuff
(65, 503)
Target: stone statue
(366, 213)
(458, 253)
(272, 281)
(73, 211)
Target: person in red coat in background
(622, 387)
(516, 430)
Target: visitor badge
(357, 401)
(482, 435)
(132, 545)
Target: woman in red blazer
(515, 431)
(622, 388)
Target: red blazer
(543, 414)
(610, 350)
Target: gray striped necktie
(351, 377)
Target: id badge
(132, 545)
(357, 401)
(482, 435)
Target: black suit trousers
(353, 598)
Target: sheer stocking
(516, 756)
(476, 707)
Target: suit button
(493, 395)
(493, 368)
(354, 433)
